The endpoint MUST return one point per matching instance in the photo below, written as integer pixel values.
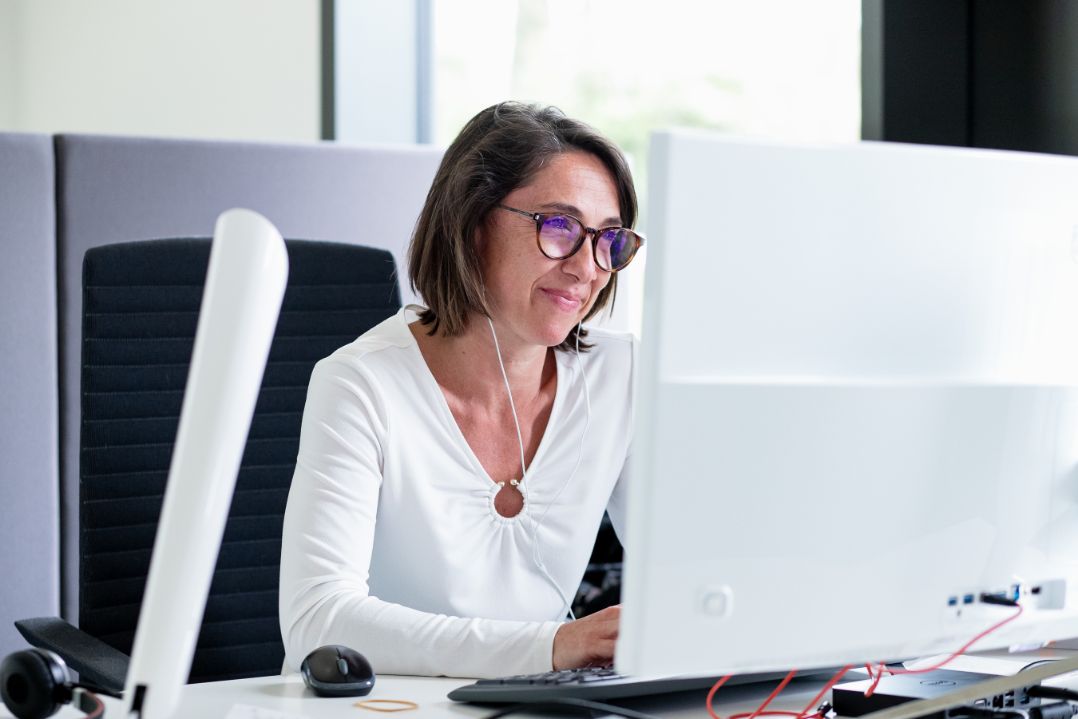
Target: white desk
(289, 696)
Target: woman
(455, 461)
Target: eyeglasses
(561, 236)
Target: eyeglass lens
(560, 236)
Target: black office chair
(140, 309)
(601, 586)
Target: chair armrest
(96, 662)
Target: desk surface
(287, 695)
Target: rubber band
(402, 705)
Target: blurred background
(977, 73)
(982, 73)
(372, 71)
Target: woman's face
(536, 300)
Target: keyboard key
(587, 678)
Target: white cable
(537, 550)
(537, 556)
(512, 405)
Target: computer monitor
(858, 405)
(245, 284)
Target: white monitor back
(858, 402)
(245, 284)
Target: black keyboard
(593, 683)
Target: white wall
(246, 69)
(7, 62)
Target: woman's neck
(467, 364)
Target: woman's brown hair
(499, 150)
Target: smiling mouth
(564, 301)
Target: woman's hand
(587, 642)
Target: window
(774, 68)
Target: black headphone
(35, 683)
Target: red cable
(875, 679)
(961, 651)
(939, 665)
(803, 714)
(711, 695)
(99, 709)
(881, 668)
(826, 688)
(760, 709)
(773, 694)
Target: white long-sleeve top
(392, 545)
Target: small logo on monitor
(717, 600)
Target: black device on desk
(595, 683)
(851, 699)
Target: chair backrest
(119, 189)
(140, 309)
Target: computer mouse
(337, 671)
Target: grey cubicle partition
(29, 530)
(116, 189)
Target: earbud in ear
(34, 683)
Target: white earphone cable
(537, 556)
(537, 549)
(512, 405)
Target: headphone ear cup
(34, 683)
